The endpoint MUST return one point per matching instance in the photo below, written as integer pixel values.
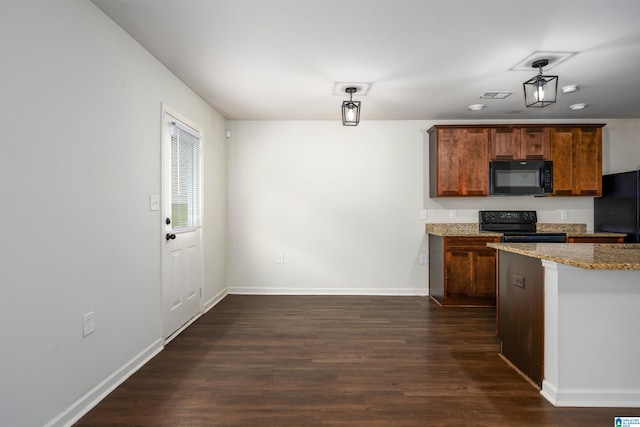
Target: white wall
(620, 146)
(80, 115)
(342, 204)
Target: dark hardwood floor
(335, 361)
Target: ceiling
(423, 59)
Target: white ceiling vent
(495, 94)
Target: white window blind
(185, 177)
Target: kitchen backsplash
(552, 216)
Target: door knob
(170, 236)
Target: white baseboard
(87, 402)
(329, 291)
(600, 398)
(209, 304)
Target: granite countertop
(594, 256)
(457, 229)
(466, 229)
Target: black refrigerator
(618, 210)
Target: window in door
(185, 177)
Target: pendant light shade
(541, 90)
(350, 109)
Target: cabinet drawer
(595, 239)
(468, 243)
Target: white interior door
(181, 240)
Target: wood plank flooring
(335, 361)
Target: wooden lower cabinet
(462, 270)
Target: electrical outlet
(518, 281)
(563, 215)
(423, 258)
(88, 325)
(423, 214)
(453, 214)
(280, 259)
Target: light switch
(154, 202)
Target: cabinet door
(562, 156)
(577, 161)
(470, 269)
(587, 157)
(484, 264)
(536, 143)
(448, 142)
(505, 144)
(459, 162)
(458, 277)
(475, 162)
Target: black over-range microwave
(521, 177)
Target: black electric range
(517, 226)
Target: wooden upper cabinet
(536, 143)
(459, 156)
(515, 143)
(577, 160)
(505, 144)
(459, 161)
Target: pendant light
(350, 109)
(540, 90)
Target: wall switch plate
(88, 325)
(423, 214)
(423, 258)
(563, 215)
(453, 214)
(154, 202)
(280, 259)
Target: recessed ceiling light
(579, 106)
(476, 107)
(570, 88)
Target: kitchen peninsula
(568, 319)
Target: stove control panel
(508, 217)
